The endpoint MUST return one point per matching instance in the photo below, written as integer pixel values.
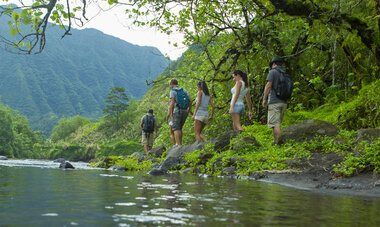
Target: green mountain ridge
(73, 75)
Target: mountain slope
(72, 76)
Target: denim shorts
(239, 108)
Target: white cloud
(114, 22)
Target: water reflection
(47, 196)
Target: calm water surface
(37, 193)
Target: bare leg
(198, 127)
(203, 137)
(236, 125)
(178, 137)
(172, 135)
(146, 148)
(276, 133)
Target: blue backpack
(182, 98)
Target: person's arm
(212, 109)
(267, 89)
(170, 109)
(142, 122)
(190, 104)
(199, 96)
(248, 98)
(237, 93)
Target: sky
(114, 22)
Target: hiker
(238, 92)
(179, 108)
(200, 116)
(276, 106)
(148, 125)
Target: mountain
(73, 75)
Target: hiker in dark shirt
(276, 107)
(148, 125)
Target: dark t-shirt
(273, 76)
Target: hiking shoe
(274, 143)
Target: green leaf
(13, 31)
(16, 16)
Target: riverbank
(317, 174)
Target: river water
(38, 193)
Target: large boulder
(66, 165)
(307, 130)
(241, 143)
(181, 151)
(157, 151)
(222, 141)
(3, 158)
(368, 134)
(139, 156)
(170, 163)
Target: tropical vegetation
(330, 48)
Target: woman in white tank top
(239, 91)
(200, 116)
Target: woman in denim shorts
(200, 116)
(239, 91)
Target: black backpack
(148, 123)
(284, 86)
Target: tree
(116, 100)
(66, 126)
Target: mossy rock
(368, 134)
(308, 130)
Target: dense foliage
(16, 137)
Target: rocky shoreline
(313, 173)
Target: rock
(3, 158)
(244, 142)
(170, 163)
(204, 157)
(139, 156)
(118, 168)
(157, 172)
(188, 170)
(307, 130)
(219, 162)
(60, 160)
(183, 150)
(157, 151)
(368, 134)
(258, 175)
(229, 171)
(66, 165)
(233, 161)
(222, 141)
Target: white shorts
(203, 119)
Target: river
(38, 193)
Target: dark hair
(276, 60)
(204, 87)
(243, 76)
(174, 82)
(150, 111)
